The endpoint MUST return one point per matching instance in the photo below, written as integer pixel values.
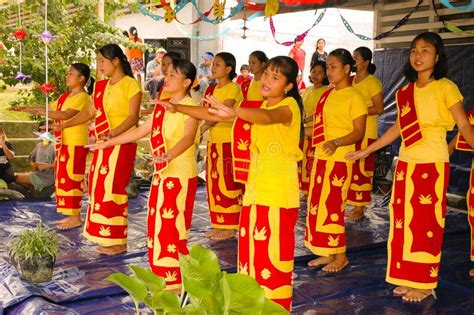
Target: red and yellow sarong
(325, 230)
(107, 213)
(224, 195)
(170, 209)
(470, 207)
(266, 249)
(360, 189)
(305, 166)
(70, 168)
(417, 215)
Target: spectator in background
(204, 72)
(297, 53)
(319, 54)
(135, 55)
(7, 154)
(154, 73)
(42, 166)
(244, 75)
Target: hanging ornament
(20, 33)
(46, 37)
(170, 14)
(271, 8)
(244, 28)
(21, 76)
(219, 10)
(46, 88)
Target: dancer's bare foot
(357, 213)
(223, 235)
(417, 295)
(340, 261)
(321, 261)
(471, 273)
(61, 221)
(112, 250)
(70, 222)
(211, 232)
(400, 290)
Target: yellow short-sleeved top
(221, 132)
(432, 104)
(311, 97)
(253, 94)
(116, 100)
(341, 108)
(164, 95)
(77, 135)
(184, 165)
(275, 152)
(368, 88)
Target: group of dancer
(266, 145)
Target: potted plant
(206, 289)
(34, 252)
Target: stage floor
(78, 286)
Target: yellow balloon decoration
(218, 11)
(271, 8)
(170, 14)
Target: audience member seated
(40, 181)
(7, 154)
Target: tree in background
(80, 33)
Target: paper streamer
(465, 8)
(301, 36)
(233, 11)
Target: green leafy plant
(206, 289)
(35, 251)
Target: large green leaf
(168, 301)
(206, 259)
(242, 294)
(195, 309)
(132, 285)
(273, 308)
(153, 282)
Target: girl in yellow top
(271, 200)
(224, 195)
(70, 162)
(360, 190)
(339, 122)
(310, 98)
(174, 184)
(116, 110)
(427, 108)
(257, 60)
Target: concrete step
(23, 146)
(19, 129)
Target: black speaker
(181, 45)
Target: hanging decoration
(400, 23)
(271, 8)
(198, 19)
(20, 34)
(449, 26)
(299, 37)
(218, 11)
(465, 8)
(244, 28)
(233, 11)
(224, 32)
(46, 87)
(178, 7)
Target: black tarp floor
(78, 286)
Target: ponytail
(371, 68)
(90, 86)
(127, 69)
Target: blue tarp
(78, 286)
